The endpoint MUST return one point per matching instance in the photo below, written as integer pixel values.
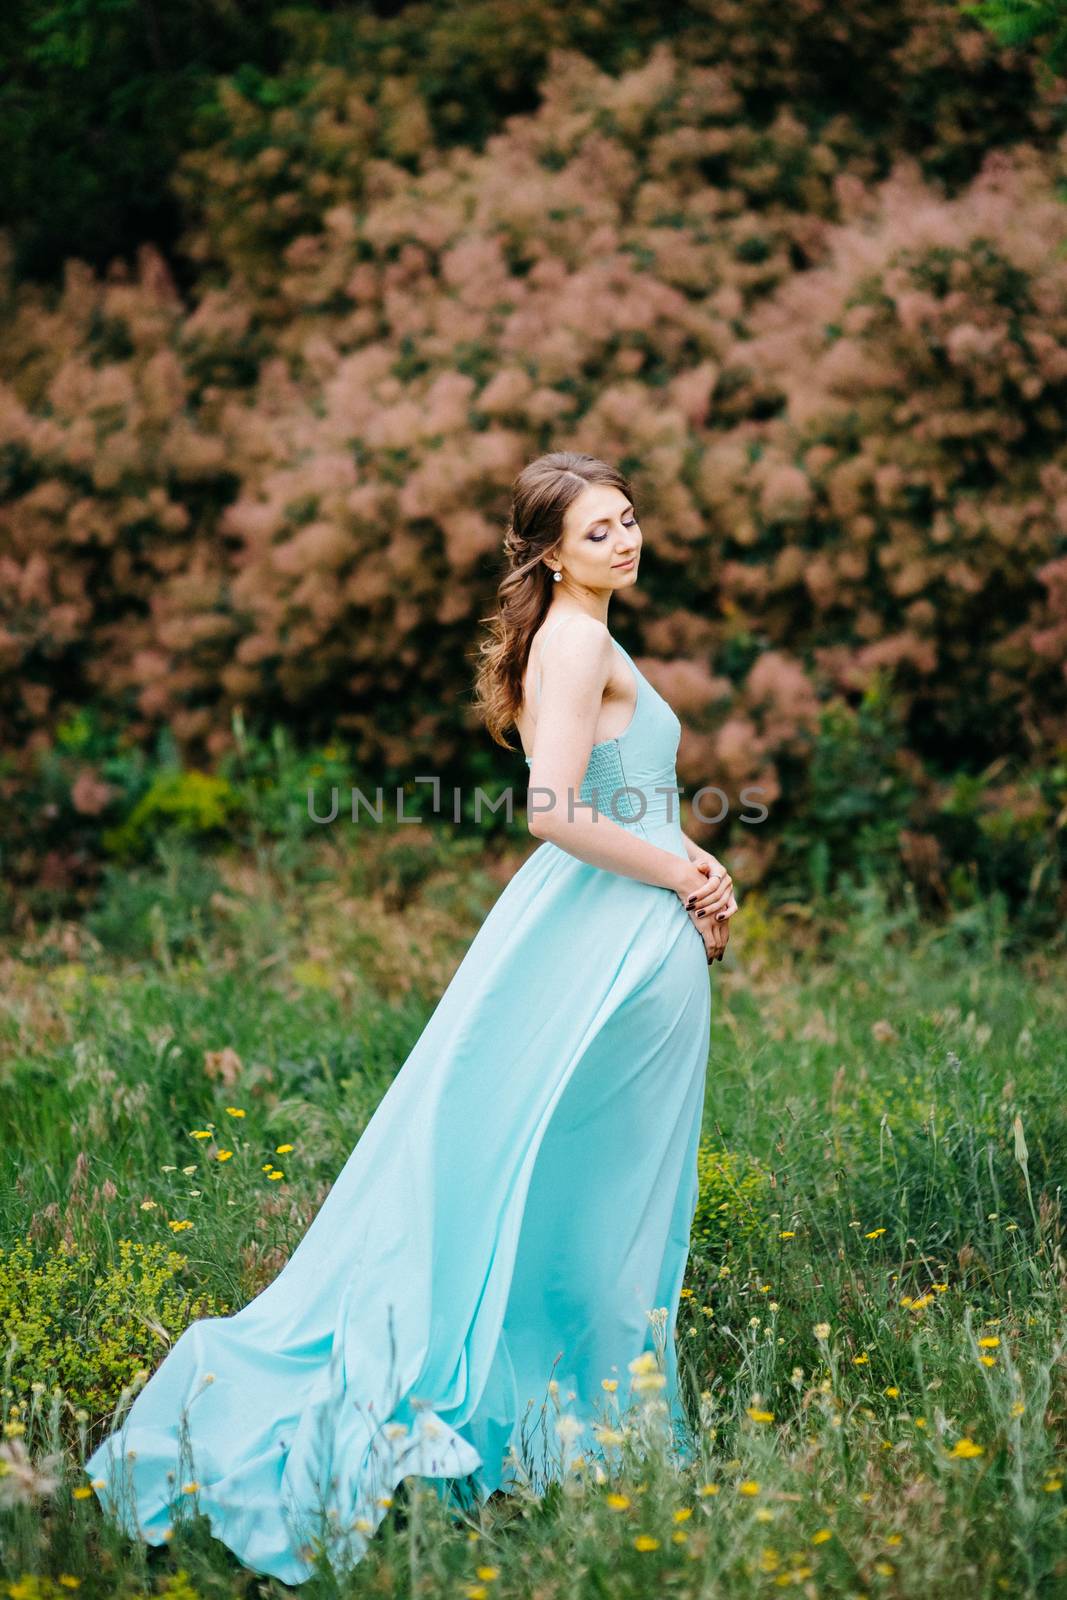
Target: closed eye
(598, 538)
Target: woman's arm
(575, 674)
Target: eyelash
(598, 538)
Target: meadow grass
(873, 1330)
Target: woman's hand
(714, 901)
(716, 936)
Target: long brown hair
(540, 496)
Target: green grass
(873, 1334)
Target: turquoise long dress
(519, 1202)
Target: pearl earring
(556, 577)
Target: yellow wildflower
(282, 1149)
(683, 1513)
(760, 1416)
(223, 1155)
(821, 1330)
(874, 1233)
(234, 1111)
(989, 1343)
(645, 1541)
(618, 1502)
(821, 1535)
(748, 1486)
(966, 1449)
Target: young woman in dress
(511, 1230)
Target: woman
(522, 1197)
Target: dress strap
(544, 644)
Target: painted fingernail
(701, 913)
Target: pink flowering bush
(838, 397)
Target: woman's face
(601, 547)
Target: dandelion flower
(874, 1233)
(618, 1502)
(645, 1541)
(234, 1111)
(487, 1573)
(966, 1449)
(821, 1535)
(990, 1342)
(282, 1149)
(787, 1233)
(683, 1513)
(610, 1384)
(707, 1489)
(82, 1492)
(760, 1416)
(748, 1486)
(223, 1155)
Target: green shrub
(89, 1332)
(730, 1208)
(192, 803)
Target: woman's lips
(624, 566)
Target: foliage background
(291, 294)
